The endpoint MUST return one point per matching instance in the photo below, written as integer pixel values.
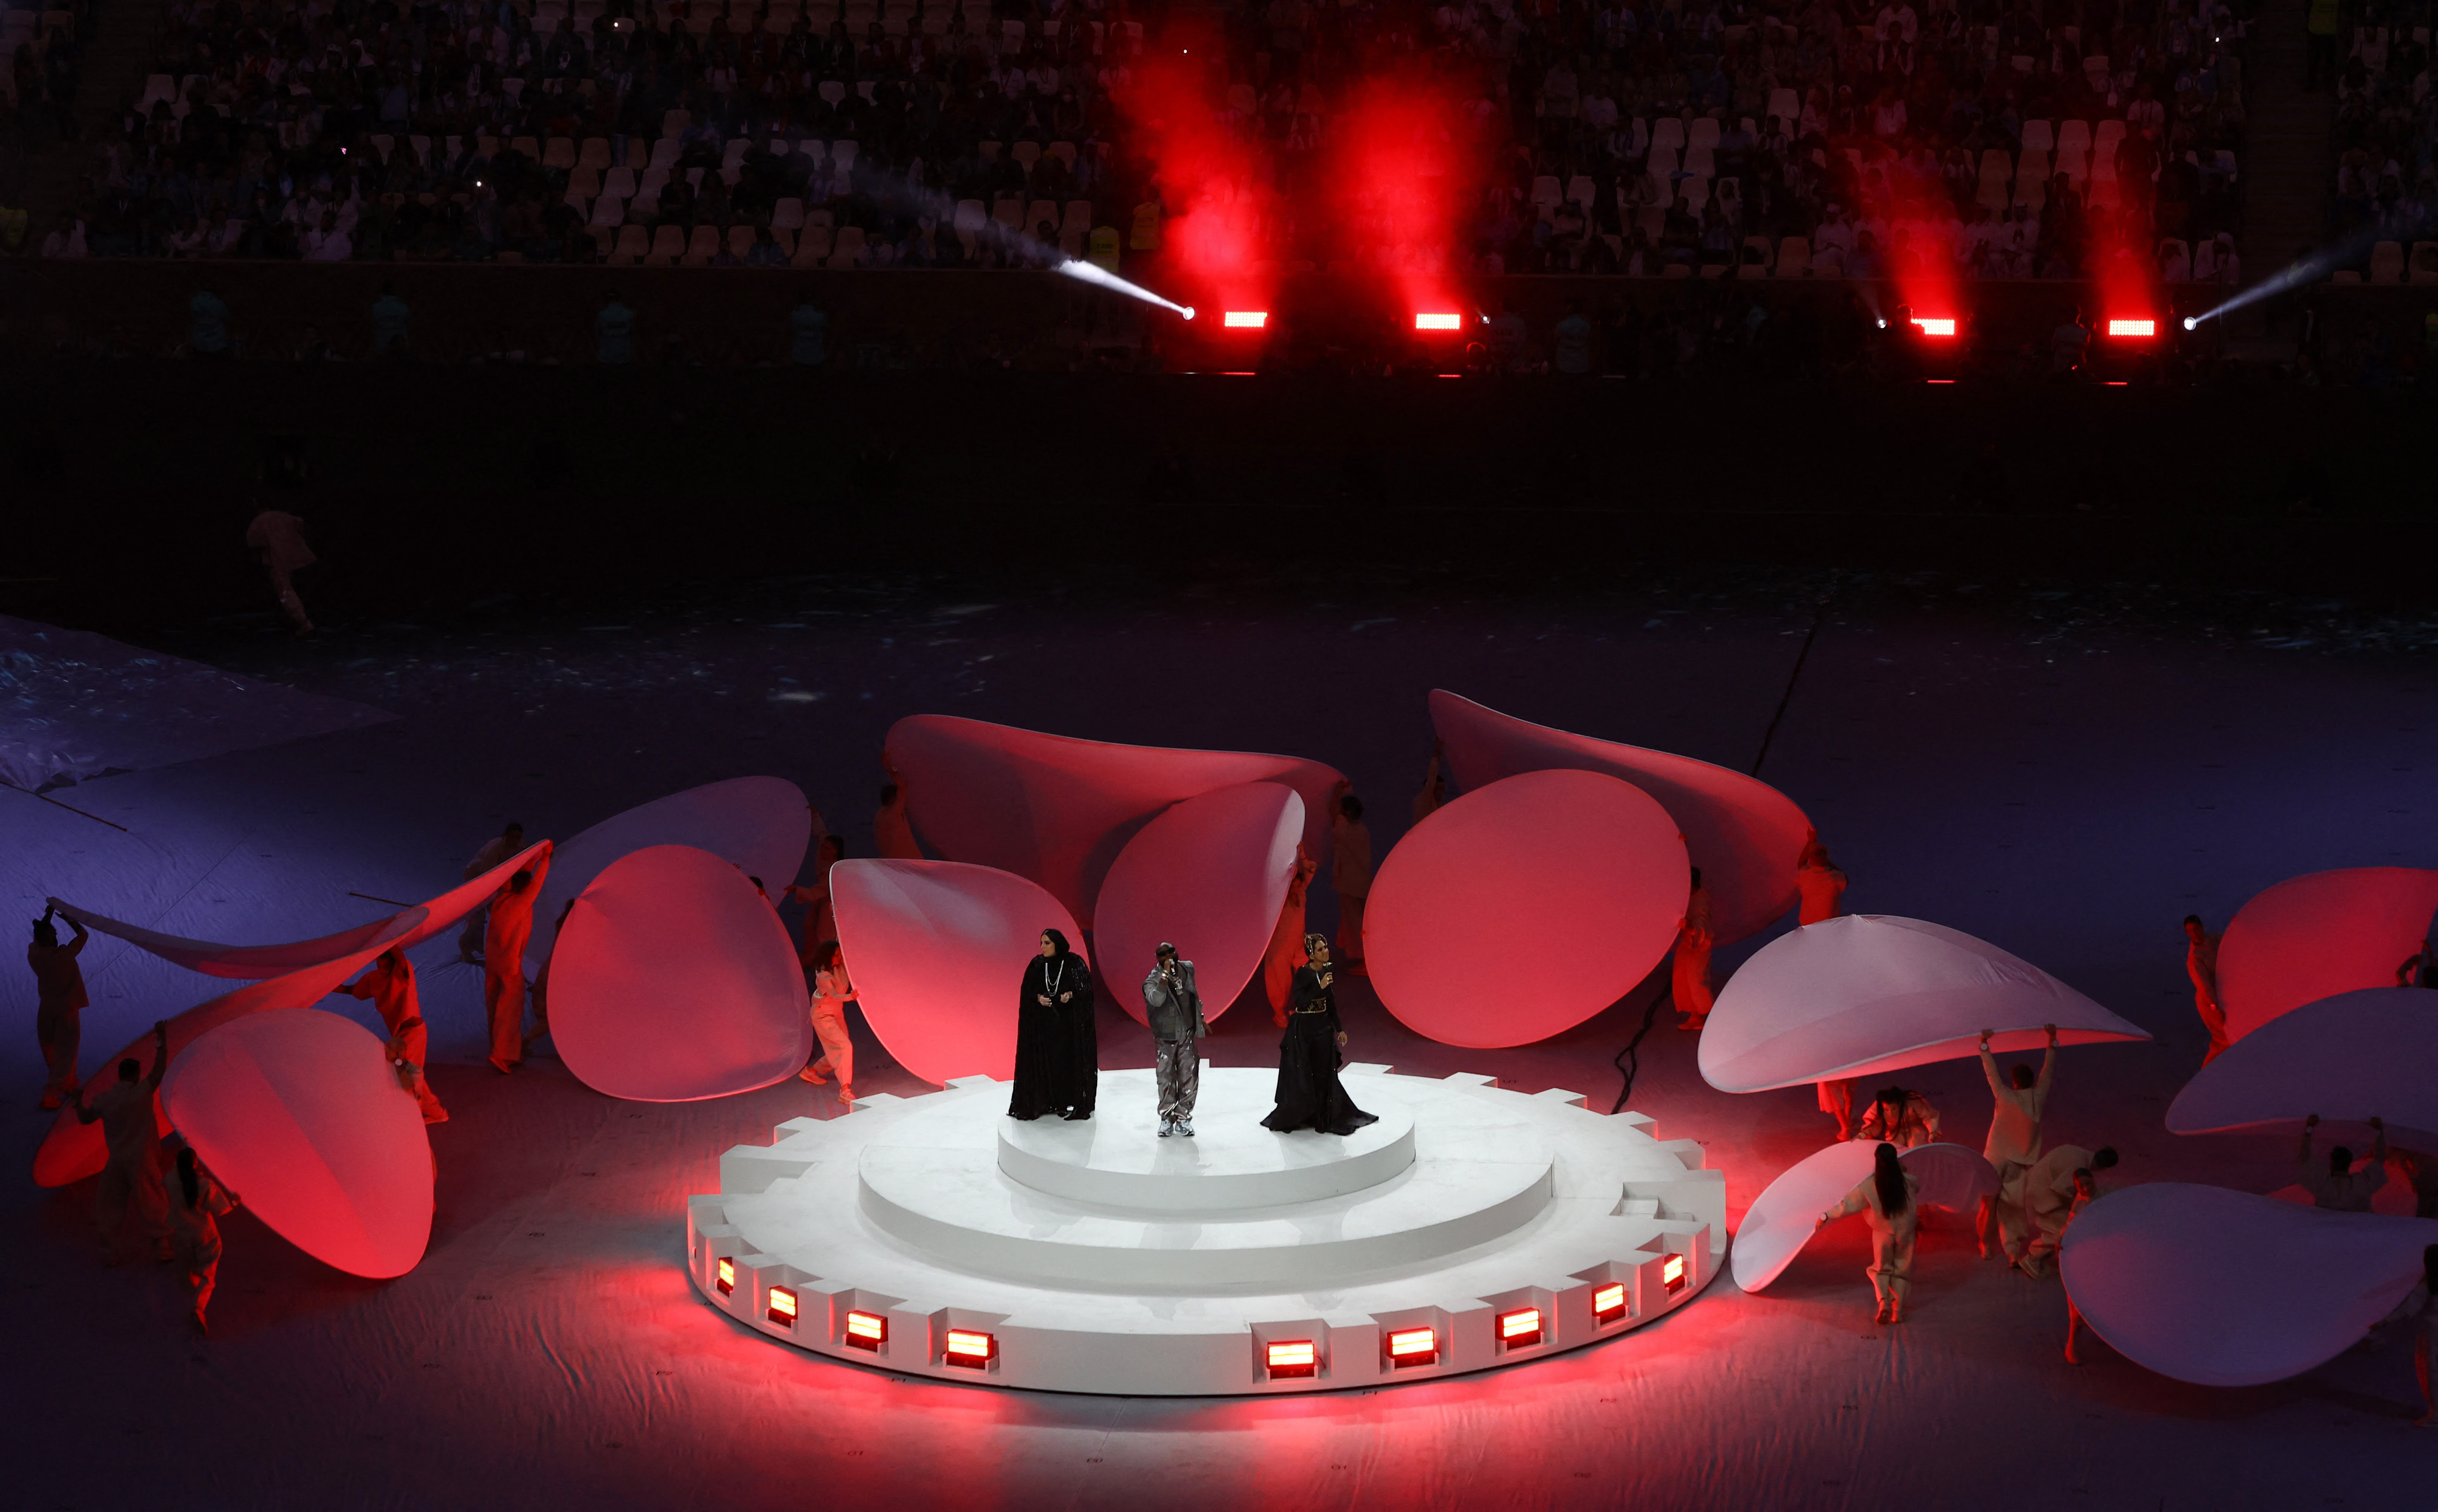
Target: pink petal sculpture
(2315, 935)
(1868, 993)
(71, 1151)
(2349, 1058)
(1743, 833)
(1058, 810)
(2226, 1289)
(760, 823)
(937, 950)
(673, 981)
(1781, 1220)
(1524, 907)
(260, 962)
(1209, 875)
(298, 1112)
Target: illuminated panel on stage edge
(1608, 1303)
(1247, 318)
(727, 1276)
(2133, 327)
(1935, 327)
(1520, 1328)
(1672, 1276)
(1429, 320)
(866, 1330)
(971, 1350)
(782, 1307)
(1413, 1346)
(1295, 1359)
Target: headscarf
(1058, 945)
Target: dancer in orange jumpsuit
(832, 991)
(1885, 1197)
(2014, 1143)
(1821, 889)
(194, 1224)
(59, 1001)
(503, 961)
(390, 984)
(409, 1046)
(1689, 979)
(495, 850)
(892, 828)
(1350, 873)
(1286, 954)
(2200, 964)
(130, 1129)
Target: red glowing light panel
(1413, 1346)
(2133, 327)
(1608, 1303)
(1425, 321)
(1252, 320)
(1671, 1273)
(1520, 1328)
(866, 1330)
(727, 1278)
(973, 1350)
(1296, 1358)
(1935, 327)
(782, 1307)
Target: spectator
(2069, 342)
(1574, 342)
(392, 321)
(614, 331)
(207, 333)
(808, 345)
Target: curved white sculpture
(673, 981)
(1523, 908)
(937, 951)
(2225, 1288)
(300, 1114)
(2315, 935)
(2349, 1058)
(760, 823)
(1867, 994)
(1209, 875)
(1781, 1220)
(1743, 833)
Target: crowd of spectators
(2385, 197)
(41, 42)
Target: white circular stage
(1469, 1228)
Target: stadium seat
(2038, 137)
(668, 245)
(1783, 105)
(788, 215)
(1025, 155)
(1547, 195)
(633, 242)
(1039, 211)
(2032, 179)
(609, 210)
(1704, 131)
(673, 122)
(842, 154)
(526, 145)
(703, 246)
(593, 154)
(812, 247)
(620, 182)
(664, 155)
(1583, 191)
(1666, 131)
(1793, 258)
(741, 241)
(845, 247)
(583, 182)
(1007, 211)
(2425, 263)
(2387, 263)
(1997, 173)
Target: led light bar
(1935, 328)
(1247, 318)
(726, 1276)
(1671, 1275)
(1608, 1303)
(1520, 1328)
(866, 1330)
(973, 1350)
(1292, 1360)
(1428, 321)
(1413, 1346)
(2132, 327)
(782, 1307)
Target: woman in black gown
(1057, 1047)
(1309, 1095)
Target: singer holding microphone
(1174, 1010)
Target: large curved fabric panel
(2349, 1058)
(299, 1113)
(1210, 875)
(1525, 907)
(1058, 810)
(1743, 833)
(673, 981)
(936, 950)
(2315, 935)
(1871, 992)
(760, 823)
(71, 1151)
(1781, 1222)
(260, 962)
(2226, 1289)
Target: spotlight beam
(1092, 272)
(2303, 271)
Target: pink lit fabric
(262, 963)
(1743, 833)
(1058, 810)
(299, 1113)
(2315, 935)
(1781, 1220)
(2225, 1288)
(1524, 907)
(1209, 875)
(760, 823)
(1869, 994)
(72, 1151)
(672, 981)
(2349, 1058)
(936, 950)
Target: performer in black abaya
(1057, 1047)
(1309, 1095)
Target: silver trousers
(1179, 1072)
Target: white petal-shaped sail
(2315, 935)
(1208, 876)
(2225, 1288)
(2350, 1057)
(1871, 992)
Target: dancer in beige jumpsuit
(2013, 1144)
(1885, 1199)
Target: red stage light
(1608, 1303)
(866, 1330)
(1671, 1275)
(2133, 327)
(727, 1276)
(782, 1307)
(1248, 318)
(1935, 327)
(1520, 1328)
(971, 1350)
(1430, 322)
(1938, 381)
(1413, 1346)
(1295, 1359)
